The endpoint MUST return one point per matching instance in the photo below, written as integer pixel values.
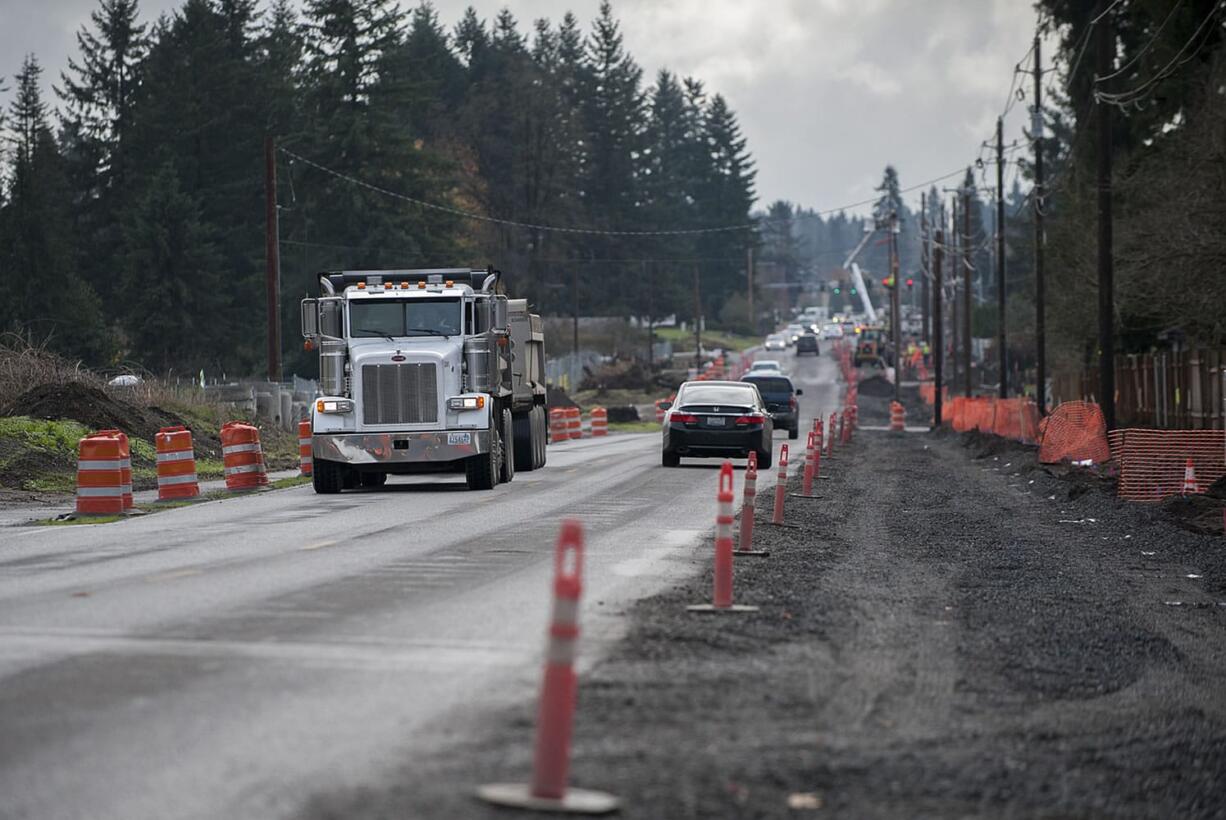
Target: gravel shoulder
(953, 631)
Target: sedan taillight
(683, 418)
(755, 419)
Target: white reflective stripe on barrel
(246, 468)
(304, 441)
(561, 651)
(100, 492)
(115, 464)
(167, 480)
(565, 611)
(177, 455)
(241, 448)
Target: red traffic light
(910, 282)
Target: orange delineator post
(809, 456)
(242, 457)
(557, 425)
(1189, 479)
(176, 464)
(748, 494)
(600, 422)
(306, 459)
(830, 438)
(100, 475)
(723, 538)
(781, 483)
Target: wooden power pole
(753, 318)
(1040, 295)
(1002, 356)
(272, 260)
(926, 271)
(937, 328)
(954, 267)
(1105, 52)
(968, 272)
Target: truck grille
(399, 393)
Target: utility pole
(895, 307)
(574, 292)
(937, 328)
(272, 259)
(697, 321)
(925, 267)
(1105, 48)
(651, 316)
(1000, 257)
(753, 319)
(968, 274)
(1040, 296)
(955, 265)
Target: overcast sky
(827, 91)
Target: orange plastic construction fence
(1152, 462)
(1075, 431)
(1016, 419)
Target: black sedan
(717, 419)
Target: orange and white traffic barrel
(557, 425)
(600, 422)
(574, 423)
(100, 475)
(126, 457)
(176, 464)
(898, 417)
(306, 461)
(242, 456)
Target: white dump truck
(424, 371)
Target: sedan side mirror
(665, 405)
(800, 392)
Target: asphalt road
(232, 658)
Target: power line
(1147, 47)
(1140, 92)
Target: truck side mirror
(310, 318)
(500, 314)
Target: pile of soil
(630, 375)
(557, 397)
(92, 408)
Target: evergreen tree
(174, 291)
(44, 297)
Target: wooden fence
(1174, 391)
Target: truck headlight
(337, 406)
(459, 403)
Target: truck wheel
(326, 477)
(542, 433)
(764, 460)
(794, 433)
(525, 441)
(508, 448)
(481, 470)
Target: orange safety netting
(1075, 431)
(1016, 419)
(1152, 462)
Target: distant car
(808, 344)
(776, 341)
(831, 330)
(779, 394)
(766, 366)
(717, 419)
(793, 332)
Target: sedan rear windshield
(713, 394)
(769, 387)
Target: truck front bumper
(399, 448)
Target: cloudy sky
(828, 91)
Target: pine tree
(44, 297)
(174, 291)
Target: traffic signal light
(837, 288)
(853, 291)
(910, 282)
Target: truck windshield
(393, 318)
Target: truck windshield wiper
(428, 331)
(387, 336)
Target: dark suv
(779, 394)
(808, 344)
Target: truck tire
(525, 441)
(481, 470)
(542, 433)
(326, 477)
(794, 433)
(508, 448)
(765, 460)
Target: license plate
(716, 421)
(459, 438)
